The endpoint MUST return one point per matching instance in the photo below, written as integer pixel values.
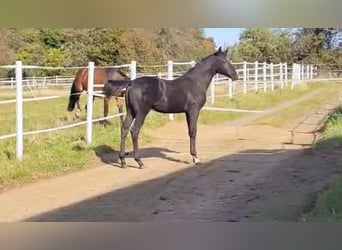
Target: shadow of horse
(110, 156)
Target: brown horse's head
(126, 77)
(72, 98)
(76, 89)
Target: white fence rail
(252, 77)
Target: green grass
(332, 135)
(62, 151)
(262, 101)
(288, 116)
(328, 206)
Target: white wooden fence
(252, 77)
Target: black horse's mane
(203, 60)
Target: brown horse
(101, 76)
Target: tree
(75, 47)
(263, 45)
(309, 43)
(139, 44)
(103, 46)
(7, 53)
(51, 38)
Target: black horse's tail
(73, 97)
(116, 87)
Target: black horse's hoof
(141, 165)
(196, 160)
(123, 164)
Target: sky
(224, 36)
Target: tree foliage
(263, 45)
(75, 47)
(154, 46)
(307, 45)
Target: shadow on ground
(251, 185)
(110, 156)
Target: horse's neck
(203, 74)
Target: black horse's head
(223, 65)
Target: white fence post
(302, 71)
(285, 69)
(281, 75)
(44, 83)
(90, 102)
(296, 74)
(133, 69)
(212, 90)
(230, 88)
(272, 77)
(170, 77)
(256, 76)
(212, 87)
(264, 77)
(19, 109)
(311, 72)
(244, 77)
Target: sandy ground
(248, 173)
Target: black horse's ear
(218, 51)
(226, 51)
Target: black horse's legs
(135, 130)
(124, 131)
(191, 118)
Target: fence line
(252, 76)
(233, 110)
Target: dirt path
(248, 173)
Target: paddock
(54, 143)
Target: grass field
(57, 152)
(286, 117)
(328, 206)
(64, 151)
(262, 101)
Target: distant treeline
(75, 47)
(319, 46)
(154, 46)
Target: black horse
(186, 94)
